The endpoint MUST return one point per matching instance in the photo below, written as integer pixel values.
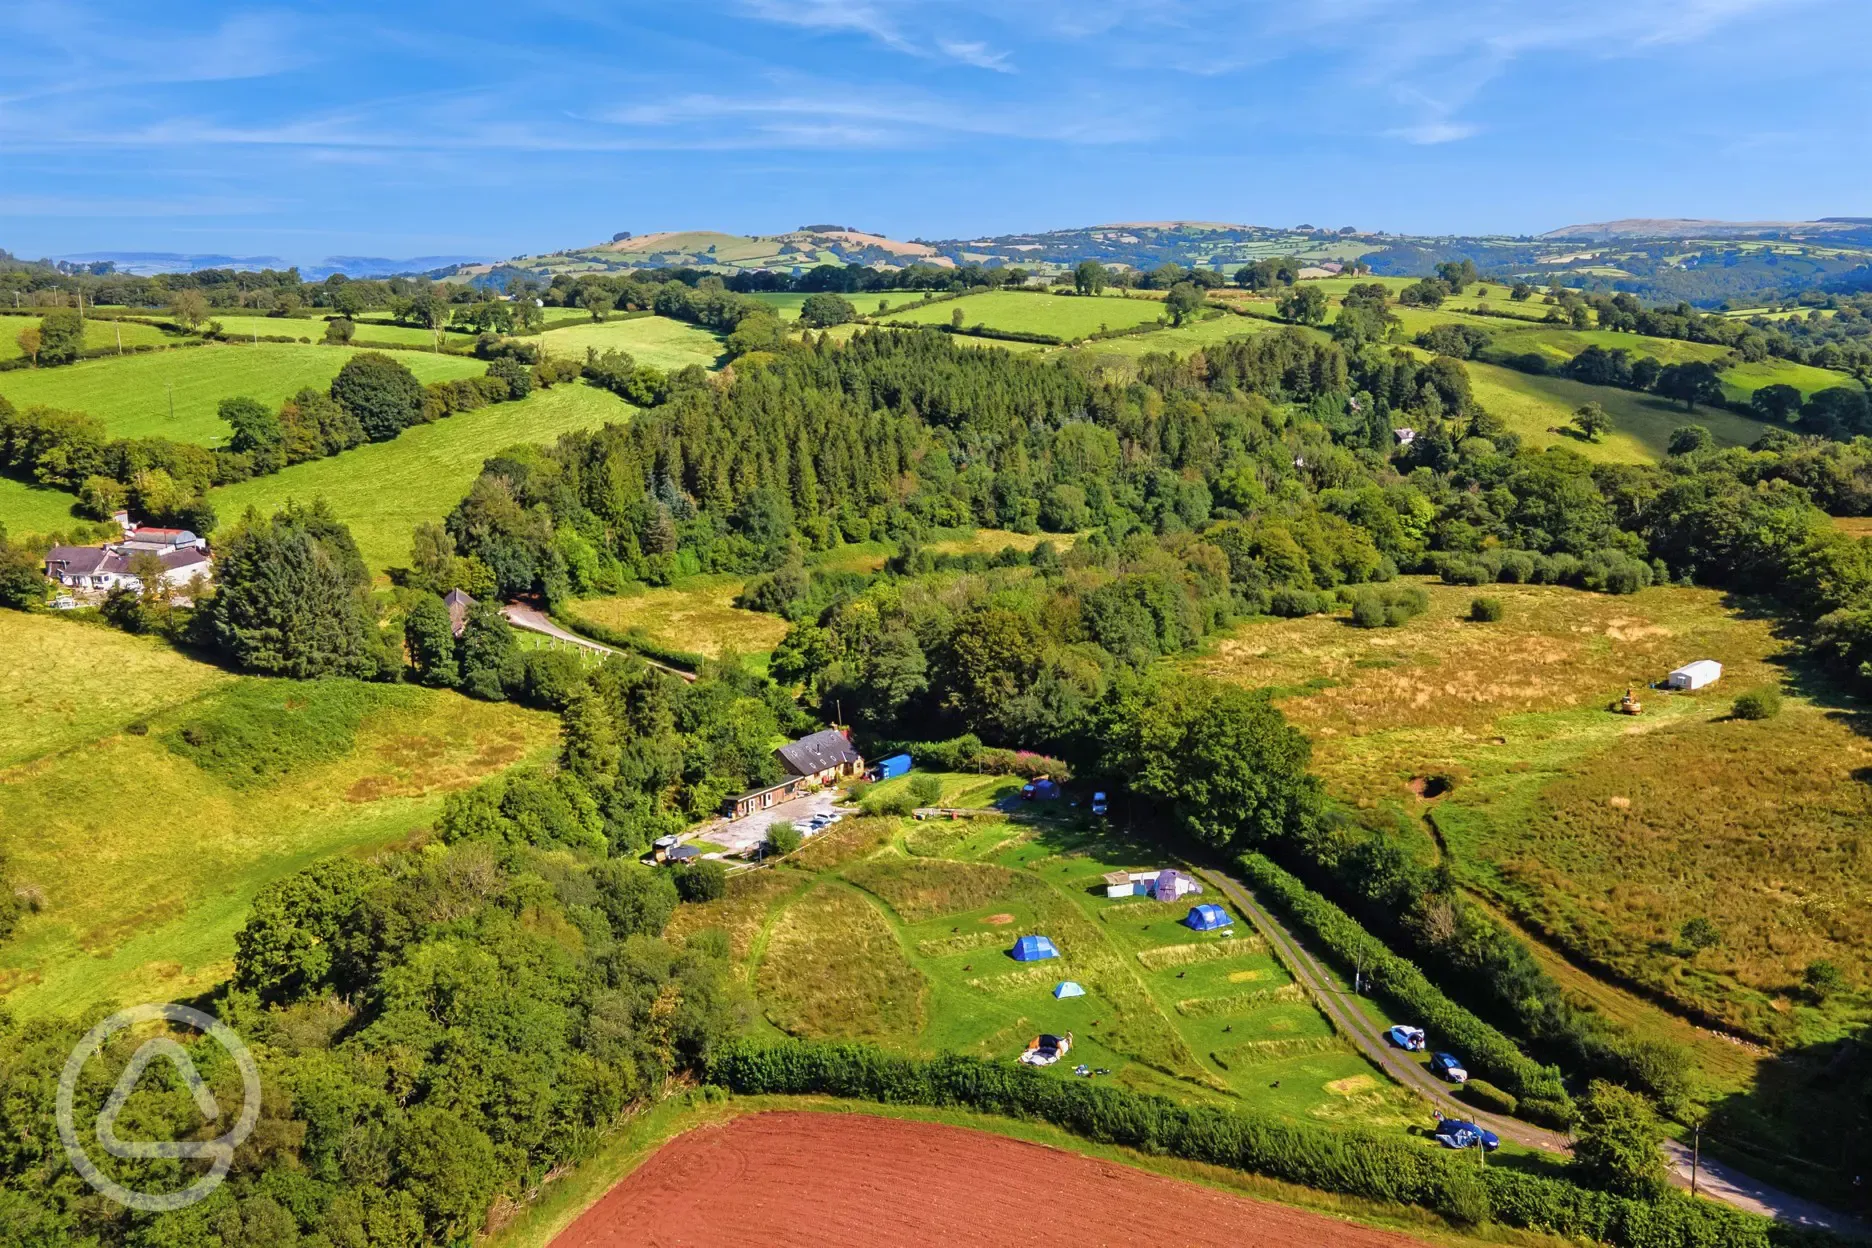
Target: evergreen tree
(431, 642)
(292, 598)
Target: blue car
(1449, 1066)
(1454, 1133)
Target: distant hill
(1689, 227)
(150, 263)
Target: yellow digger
(1629, 704)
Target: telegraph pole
(1696, 1153)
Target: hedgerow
(1536, 1087)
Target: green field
(1745, 379)
(697, 614)
(314, 329)
(384, 489)
(1535, 407)
(1063, 316)
(34, 509)
(787, 303)
(653, 340)
(144, 857)
(99, 334)
(132, 395)
(896, 932)
(1179, 341)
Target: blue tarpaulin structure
(1067, 988)
(1207, 918)
(1033, 949)
(892, 767)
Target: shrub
(1294, 603)
(1762, 703)
(782, 839)
(888, 804)
(925, 789)
(1387, 606)
(518, 376)
(1485, 610)
(1822, 979)
(1486, 1096)
(702, 881)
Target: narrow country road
(1351, 1021)
(534, 620)
(1716, 1181)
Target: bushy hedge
(1348, 1162)
(1485, 1050)
(634, 640)
(1609, 571)
(967, 753)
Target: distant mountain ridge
(1692, 227)
(150, 263)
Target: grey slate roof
(822, 751)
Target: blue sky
(401, 129)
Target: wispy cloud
(911, 28)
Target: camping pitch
(1067, 988)
(1033, 949)
(1208, 918)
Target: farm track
(1716, 1181)
(520, 615)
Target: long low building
(103, 568)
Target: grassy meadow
(99, 334)
(897, 932)
(697, 614)
(1063, 316)
(132, 395)
(144, 851)
(1541, 409)
(653, 340)
(786, 304)
(1601, 832)
(384, 489)
(28, 508)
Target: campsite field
(697, 614)
(147, 851)
(1063, 316)
(384, 489)
(898, 933)
(99, 334)
(1601, 832)
(131, 395)
(653, 340)
(793, 1178)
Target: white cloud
(906, 27)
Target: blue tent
(1207, 918)
(1067, 988)
(1033, 949)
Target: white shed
(1695, 675)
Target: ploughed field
(829, 1180)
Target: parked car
(1454, 1133)
(1410, 1039)
(1099, 804)
(64, 602)
(1449, 1066)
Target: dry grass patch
(1016, 981)
(967, 942)
(919, 889)
(833, 969)
(844, 841)
(1261, 1052)
(1240, 1002)
(698, 615)
(1165, 956)
(743, 912)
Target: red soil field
(854, 1181)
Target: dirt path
(535, 621)
(1716, 1181)
(807, 1180)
